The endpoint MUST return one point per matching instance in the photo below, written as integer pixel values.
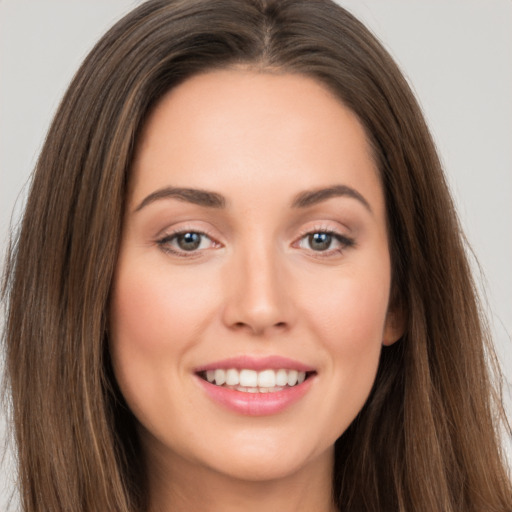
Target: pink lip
(257, 363)
(256, 404)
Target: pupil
(320, 241)
(189, 241)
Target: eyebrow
(313, 197)
(214, 200)
(189, 195)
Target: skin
(255, 286)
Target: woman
(227, 291)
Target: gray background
(457, 55)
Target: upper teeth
(253, 379)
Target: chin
(269, 460)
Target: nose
(258, 299)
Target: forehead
(235, 126)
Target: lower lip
(256, 404)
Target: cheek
(357, 333)
(350, 319)
(351, 311)
(153, 311)
(154, 319)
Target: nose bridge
(258, 297)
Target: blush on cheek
(355, 314)
(148, 310)
(139, 342)
(134, 317)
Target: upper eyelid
(169, 233)
(163, 243)
(208, 235)
(173, 236)
(322, 228)
(319, 228)
(167, 236)
(335, 234)
(346, 240)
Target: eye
(184, 242)
(325, 241)
(320, 241)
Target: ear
(394, 327)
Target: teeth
(248, 378)
(220, 377)
(232, 377)
(252, 381)
(267, 379)
(292, 377)
(281, 378)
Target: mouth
(256, 386)
(252, 381)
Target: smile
(256, 385)
(252, 381)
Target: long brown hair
(428, 436)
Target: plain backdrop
(456, 54)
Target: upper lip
(257, 363)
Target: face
(250, 302)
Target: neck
(180, 486)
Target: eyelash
(344, 241)
(164, 242)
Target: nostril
(259, 329)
